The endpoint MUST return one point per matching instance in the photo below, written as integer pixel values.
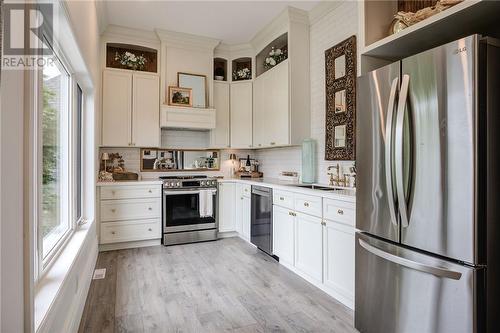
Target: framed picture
(180, 96)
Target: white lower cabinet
(338, 262)
(246, 216)
(129, 213)
(283, 234)
(227, 209)
(309, 246)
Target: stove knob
(178, 184)
(202, 183)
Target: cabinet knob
(113, 192)
(340, 211)
(149, 229)
(112, 232)
(150, 208)
(282, 199)
(113, 210)
(272, 143)
(241, 198)
(323, 223)
(150, 191)
(290, 213)
(306, 204)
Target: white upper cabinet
(282, 93)
(241, 114)
(116, 108)
(271, 111)
(130, 109)
(146, 110)
(220, 135)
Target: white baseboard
(128, 245)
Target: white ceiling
(231, 21)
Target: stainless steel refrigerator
(427, 212)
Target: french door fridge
(427, 209)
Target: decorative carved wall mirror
(340, 88)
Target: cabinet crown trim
(184, 40)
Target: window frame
(42, 264)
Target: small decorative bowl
(219, 78)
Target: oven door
(181, 211)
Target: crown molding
(184, 40)
(321, 10)
(118, 33)
(279, 26)
(102, 16)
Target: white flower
(272, 52)
(278, 52)
(267, 60)
(272, 62)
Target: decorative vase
(308, 161)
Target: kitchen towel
(206, 203)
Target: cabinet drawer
(130, 192)
(127, 231)
(308, 204)
(339, 211)
(246, 190)
(114, 210)
(283, 199)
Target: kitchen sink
(317, 187)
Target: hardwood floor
(222, 286)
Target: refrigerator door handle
(437, 271)
(388, 152)
(398, 154)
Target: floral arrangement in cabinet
(242, 74)
(130, 60)
(275, 57)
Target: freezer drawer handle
(438, 271)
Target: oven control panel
(191, 183)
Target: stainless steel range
(189, 209)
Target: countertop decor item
(242, 74)
(198, 85)
(275, 57)
(104, 175)
(232, 158)
(125, 175)
(131, 60)
(180, 96)
(340, 88)
(308, 161)
(405, 19)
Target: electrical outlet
(99, 274)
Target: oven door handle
(175, 192)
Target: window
(78, 154)
(60, 158)
(54, 222)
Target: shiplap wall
(339, 24)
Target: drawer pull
(150, 208)
(241, 198)
(112, 232)
(282, 199)
(113, 210)
(306, 204)
(113, 192)
(149, 229)
(340, 211)
(150, 191)
(246, 190)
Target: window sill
(49, 286)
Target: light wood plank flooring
(222, 286)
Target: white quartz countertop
(131, 182)
(345, 194)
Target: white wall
(11, 205)
(327, 30)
